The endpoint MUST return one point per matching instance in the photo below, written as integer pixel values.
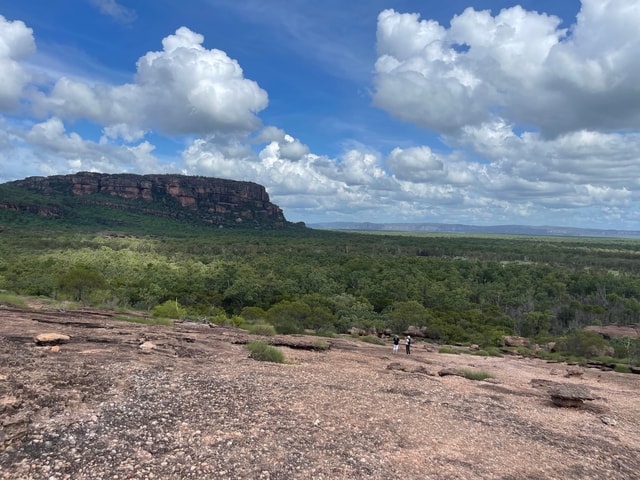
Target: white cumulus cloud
(16, 44)
(183, 89)
(68, 152)
(518, 66)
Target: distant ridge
(491, 229)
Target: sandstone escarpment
(212, 200)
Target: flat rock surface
(191, 404)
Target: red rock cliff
(214, 200)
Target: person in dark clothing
(396, 341)
(407, 344)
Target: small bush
(264, 329)
(327, 333)
(550, 356)
(475, 374)
(451, 350)
(321, 344)
(169, 309)
(372, 339)
(12, 300)
(494, 352)
(605, 359)
(288, 328)
(622, 368)
(263, 352)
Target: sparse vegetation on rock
(263, 352)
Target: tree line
(458, 288)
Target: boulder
(450, 371)
(357, 332)
(514, 341)
(569, 395)
(416, 332)
(47, 339)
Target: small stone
(609, 421)
(147, 347)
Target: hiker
(396, 341)
(407, 344)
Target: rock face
(197, 407)
(616, 330)
(213, 200)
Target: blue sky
(476, 112)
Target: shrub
(331, 333)
(288, 327)
(253, 314)
(627, 348)
(494, 352)
(12, 300)
(475, 374)
(264, 352)
(321, 344)
(169, 309)
(219, 319)
(264, 329)
(372, 339)
(584, 343)
(451, 350)
(622, 368)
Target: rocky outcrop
(419, 332)
(196, 406)
(213, 200)
(616, 330)
(514, 341)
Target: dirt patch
(193, 405)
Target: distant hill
(122, 198)
(494, 229)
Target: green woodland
(464, 289)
